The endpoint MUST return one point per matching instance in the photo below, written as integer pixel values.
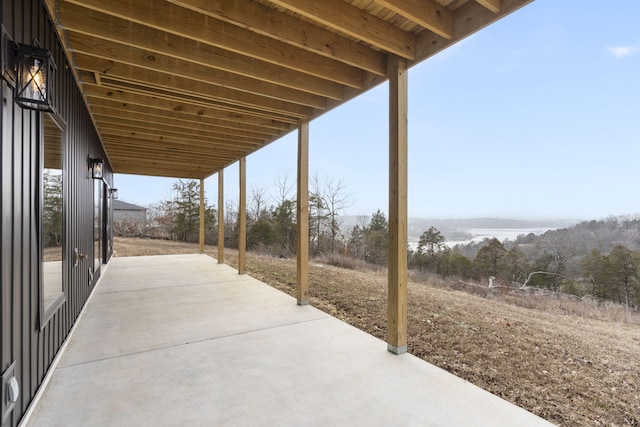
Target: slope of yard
(573, 370)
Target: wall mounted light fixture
(95, 165)
(35, 69)
(114, 193)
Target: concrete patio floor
(182, 340)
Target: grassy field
(572, 362)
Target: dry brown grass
(573, 367)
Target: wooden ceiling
(184, 88)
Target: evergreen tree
(431, 251)
(181, 214)
(489, 261)
(187, 210)
(596, 268)
(377, 239)
(284, 226)
(624, 274)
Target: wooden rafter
(205, 83)
(268, 22)
(191, 78)
(118, 114)
(427, 13)
(355, 22)
(177, 20)
(82, 32)
(492, 5)
(177, 106)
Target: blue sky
(536, 116)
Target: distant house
(129, 219)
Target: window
(108, 236)
(98, 186)
(52, 215)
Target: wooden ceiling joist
(183, 112)
(117, 113)
(133, 94)
(208, 149)
(170, 129)
(162, 134)
(492, 5)
(184, 88)
(348, 19)
(270, 23)
(141, 154)
(90, 22)
(197, 80)
(177, 20)
(429, 14)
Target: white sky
(536, 116)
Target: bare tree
(317, 214)
(336, 200)
(257, 202)
(284, 188)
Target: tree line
(597, 258)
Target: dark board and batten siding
(23, 340)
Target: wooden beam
(274, 24)
(126, 139)
(116, 109)
(302, 216)
(155, 126)
(150, 153)
(242, 213)
(203, 81)
(201, 234)
(159, 117)
(97, 24)
(181, 97)
(168, 135)
(492, 5)
(192, 60)
(427, 13)
(348, 19)
(221, 216)
(164, 16)
(149, 163)
(174, 170)
(156, 83)
(398, 216)
(206, 111)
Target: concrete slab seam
(191, 342)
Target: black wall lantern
(114, 193)
(35, 71)
(96, 167)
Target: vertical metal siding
(21, 338)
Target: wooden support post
(302, 216)
(242, 229)
(201, 234)
(221, 216)
(398, 216)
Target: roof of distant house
(124, 206)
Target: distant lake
(479, 234)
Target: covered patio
(185, 88)
(183, 340)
